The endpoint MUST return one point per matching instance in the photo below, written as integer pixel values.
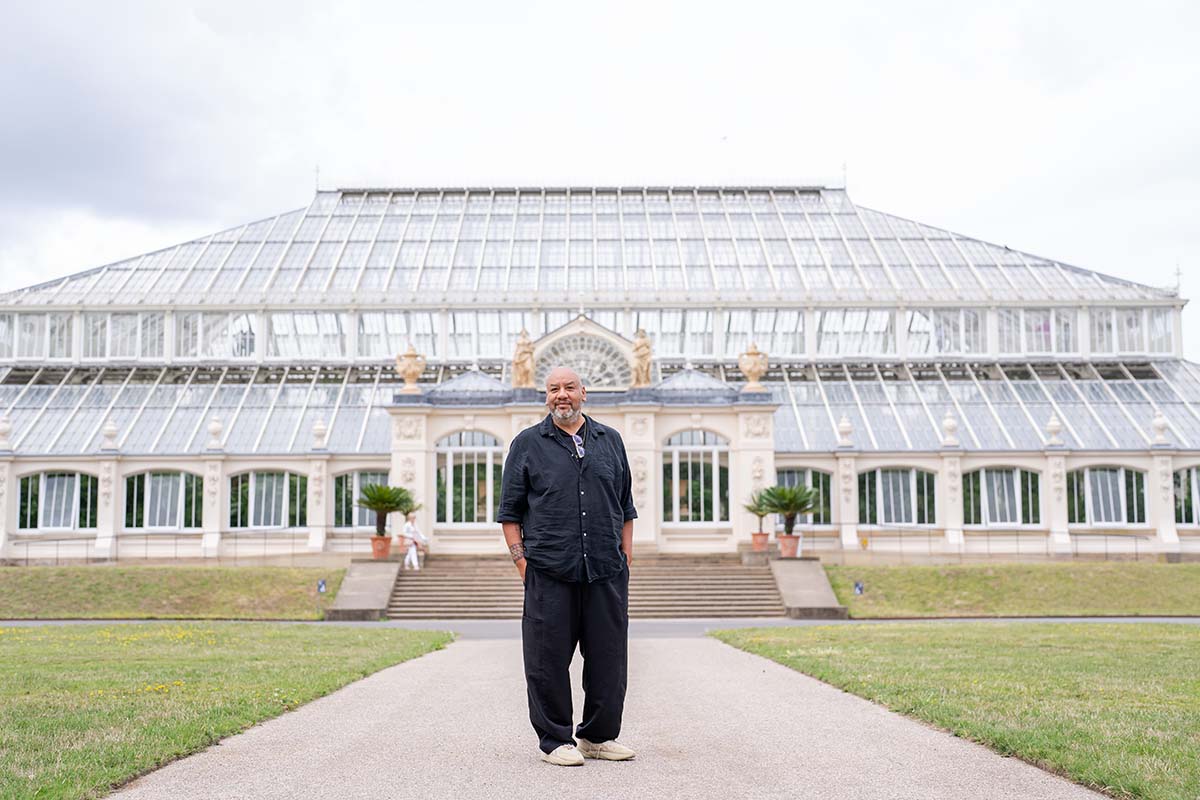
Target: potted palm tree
(755, 507)
(384, 500)
(789, 502)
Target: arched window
(1001, 496)
(346, 490)
(819, 482)
(164, 500)
(696, 477)
(896, 496)
(1185, 496)
(58, 501)
(268, 500)
(1106, 496)
(468, 478)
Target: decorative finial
(215, 429)
(1160, 428)
(319, 431)
(753, 365)
(1053, 429)
(949, 430)
(410, 366)
(109, 434)
(845, 430)
(5, 433)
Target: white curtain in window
(1129, 330)
(162, 501)
(1105, 485)
(1161, 323)
(1037, 330)
(1002, 496)
(58, 500)
(1102, 330)
(1064, 330)
(32, 342)
(270, 489)
(895, 489)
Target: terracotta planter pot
(788, 545)
(758, 542)
(381, 547)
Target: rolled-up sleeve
(626, 491)
(514, 486)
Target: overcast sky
(1069, 130)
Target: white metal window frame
(912, 489)
(140, 340)
(1089, 503)
(985, 497)
(974, 334)
(805, 520)
(1023, 343)
(41, 350)
(285, 508)
(361, 518)
(1193, 483)
(180, 502)
(74, 499)
(1112, 316)
(493, 455)
(232, 344)
(289, 332)
(714, 451)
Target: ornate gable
(603, 358)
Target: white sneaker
(608, 751)
(565, 755)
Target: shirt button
(585, 513)
(581, 491)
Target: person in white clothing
(416, 540)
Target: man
(567, 515)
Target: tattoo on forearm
(517, 551)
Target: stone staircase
(661, 586)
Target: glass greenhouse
(920, 380)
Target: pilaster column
(752, 465)
(318, 489)
(216, 490)
(412, 460)
(949, 485)
(9, 487)
(847, 486)
(106, 506)
(641, 446)
(1056, 473)
(1160, 488)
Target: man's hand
(628, 557)
(521, 569)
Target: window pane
(1002, 497)
(1184, 505)
(1105, 485)
(269, 491)
(1031, 513)
(163, 500)
(971, 499)
(58, 503)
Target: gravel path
(707, 720)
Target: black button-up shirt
(571, 510)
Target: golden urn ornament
(410, 366)
(753, 365)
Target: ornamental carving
(847, 480)
(756, 426)
(640, 426)
(756, 472)
(953, 477)
(316, 481)
(3, 484)
(212, 481)
(408, 472)
(1166, 478)
(106, 485)
(408, 428)
(1058, 478)
(640, 473)
(521, 423)
(599, 362)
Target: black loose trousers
(558, 616)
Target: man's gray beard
(566, 416)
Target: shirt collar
(548, 427)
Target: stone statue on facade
(410, 366)
(522, 365)
(753, 365)
(642, 354)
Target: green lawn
(961, 590)
(86, 707)
(1113, 706)
(183, 592)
